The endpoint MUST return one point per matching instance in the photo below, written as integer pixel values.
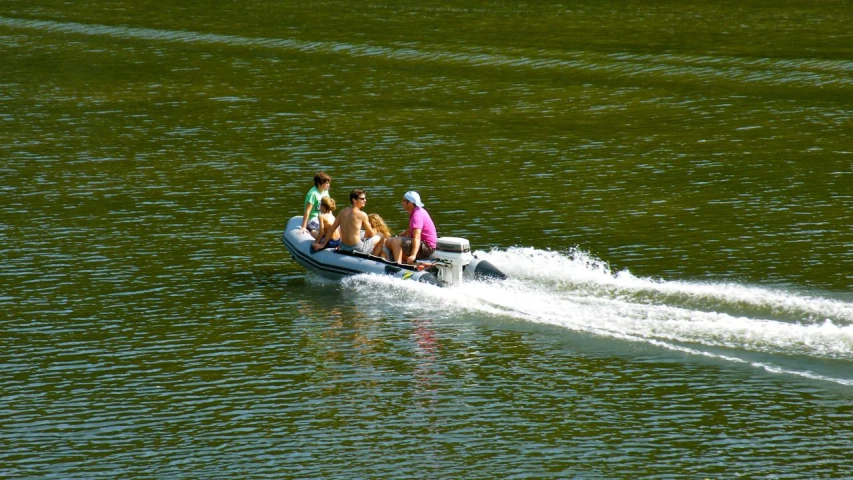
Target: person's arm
(369, 232)
(416, 245)
(308, 208)
(322, 230)
(321, 244)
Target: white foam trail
(584, 273)
(617, 317)
(579, 293)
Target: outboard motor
(451, 256)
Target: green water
(668, 184)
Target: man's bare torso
(351, 221)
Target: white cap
(413, 197)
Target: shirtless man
(351, 220)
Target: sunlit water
(725, 321)
(667, 187)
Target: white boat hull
(333, 264)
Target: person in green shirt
(310, 222)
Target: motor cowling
(451, 256)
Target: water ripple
(793, 72)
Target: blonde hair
(378, 224)
(329, 203)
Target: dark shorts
(423, 252)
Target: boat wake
(802, 72)
(773, 329)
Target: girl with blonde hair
(379, 225)
(327, 219)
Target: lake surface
(669, 187)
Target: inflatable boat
(450, 264)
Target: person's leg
(377, 249)
(405, 248)
(395, 244)
(425, 251)
(313, 227)
(368, 245)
